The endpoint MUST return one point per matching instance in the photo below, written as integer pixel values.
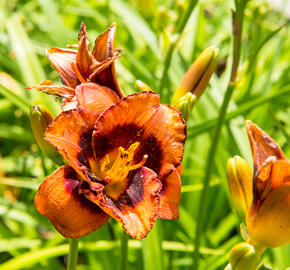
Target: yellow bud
(146, 7)
(244, 256)
(197, 77)
(142, 86)
(40, 118)
(185, 104)
(240, 181)
(162, 17)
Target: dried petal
(51, 88)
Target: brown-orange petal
(140, 117)
(263, 146)
(94, 97)
(71, 134)
(51, 88)
(99, 67)
(62, 60)
(137, 207)
(265, 151)
(170, 195)
(104, 44)
(84, 58)
(70, 213)
(104, 49)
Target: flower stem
(180, 27)
(124, 251)
(73, 254)
(238, 17)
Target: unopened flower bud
(141, 86)
(162, 17)
(244, 256)
(146, 7)
(197, 77)
(40, 118)
(185, 104)
(239, 175)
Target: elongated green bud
(244, 256)
(197, 77)
(240, 178)
(185, 105)
(40, 118)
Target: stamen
(140, 164)
(77, 72)
(123, 163)
(117, 162)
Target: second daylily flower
(268, 217)
(263, 198)
(124, 162)
(76, 67)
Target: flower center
(123, 164)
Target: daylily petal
(94, 97)
(104, 44)
(62, 60)
(100, 66)
(268, 224)
(70, 213)
(71, 134)
(159, 129)
(263, 146)
(69, 103)
(265, 152)
(104, 49)
(170, 195)
(136, 208)
(51, 88)
(84, 58)
(280, 174)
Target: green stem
(237, 32)
(124, 251)
(172, 46)
(73, 254)
(166, 67)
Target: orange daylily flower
(268, 217)
(124, 162)
(81, 66)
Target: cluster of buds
(261, 199)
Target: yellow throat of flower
(123, 164)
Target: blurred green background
(145, 31)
